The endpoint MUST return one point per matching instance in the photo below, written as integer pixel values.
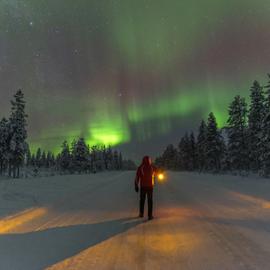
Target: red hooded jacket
(145, 173)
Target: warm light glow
(161, 177)
(12, 222)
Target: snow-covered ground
(89, 222)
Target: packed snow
(90, 222)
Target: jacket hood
(146, 161)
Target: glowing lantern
(160, 176)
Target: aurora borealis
(132, 73)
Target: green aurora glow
(125, 71)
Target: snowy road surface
(89, 222)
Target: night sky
(135, 74)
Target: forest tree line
(78, 157)
(242, 146)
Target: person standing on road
(145, 179)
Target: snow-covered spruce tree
(159, 162)
(50, 160)
(267, 93)
(53, 161)
(255, 120)
(193, 152)
(237, 135)
(225, 162)
(17, 123)
(265, 156)
(109, 158)
(104, 156)
(64, 158)
(80, 156)
(100, 164)
(182, 162)
(214, 145)
(4, 144)
(28, 156)
(120, 161)
(94, 158)
(181, 156)
(185, 153)
(201, 146)
(115, 160)
(43, 159)
(33, 160)
(38, 158)
(169, 158)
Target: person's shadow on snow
(41, 249)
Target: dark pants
(149, 192)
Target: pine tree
(109, 158)
(18, 131)
(28, 156)
(115, 160)
(53, 160)
(193, 153)
(64, 158)
(159, 163)
(265, 156)
(38, 158)
(214, 145)
(33, 160)
(170, 158)
(185, 153)
(267, 92)
(80, 156)
(58, 161)
(49, 160)
(120, 161)
(4, 143)
(237, 135)
(43, 159)
(225, 161)
(104, 157)
(182, 161)
(100, 165)
(201, 146)
(93, 158)
(255, 120)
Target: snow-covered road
(89, 222)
